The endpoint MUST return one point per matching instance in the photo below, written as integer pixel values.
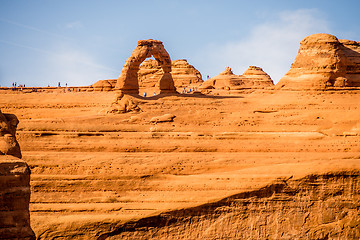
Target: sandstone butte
(15, 184)
(250, 164)
(254, 77)
(323, 62)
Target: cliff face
(14, 199)
(323, 62)
(315, 207)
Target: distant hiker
(154, 93)
(59, 84)
(65, 84)
(144, 94)
(208, 77)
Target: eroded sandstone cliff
(324, 62)
(14, 184)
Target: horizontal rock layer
(324, 62)
(315, 207)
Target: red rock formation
(128, 79)
(15, 184)
(8, 142)
(257, 77)
(183, 73)
(253, 77)
(104, 85)
(323, 62)
(15, 198)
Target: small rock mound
(123, 104)
(253, 77)
(258, 77)
(324, 62)
(104, 85)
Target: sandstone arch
(128, 79)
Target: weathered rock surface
(183, 73)
(163, 118)
(324, 62)
(128, 79)
(92, 173)
(257, 78)
(253, 77)
(123, 103)
(315, 207)
(104, 85)
(8, 142)
(14, 199)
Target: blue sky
(81, 41)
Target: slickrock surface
(184, 74)
(324, 62)
(254, 77)
(314, 207)
(216, 164)
(128, 79)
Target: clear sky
(81, 41)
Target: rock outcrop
(324, 62)
(163, 118)
(253, 77)
(14, 199)
(257, 78)
(315, 207)
(104, 85)
(182, 72)
(123, 104)
(15, 184)
(8, 142)
(128, 79)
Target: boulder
(124, 103)
(163, 118)
(324, 62)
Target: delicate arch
(128, 79)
